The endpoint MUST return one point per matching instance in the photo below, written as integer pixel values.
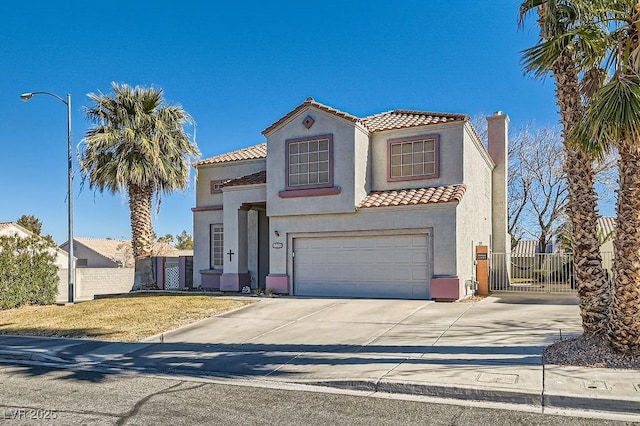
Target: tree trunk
(593, 287)
(624, 324)
(140, 202)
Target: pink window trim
(310, 192)
(312, 186)
(434, 175)
(207, 208)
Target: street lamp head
(26, 96)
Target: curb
(438, 391)
(617, 406)
(30, 356)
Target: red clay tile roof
(249, 153)
(252, 179)
(311, 102)
(409, 197)
(400, 119)
(397, 119)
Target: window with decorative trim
(309, 162)
(216, 238)
(413, 158)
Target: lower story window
(216, 249)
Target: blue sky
(237, 67)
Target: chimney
(498, 131)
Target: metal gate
(537, 273)
(171, 274)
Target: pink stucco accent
(278, 283)
(234, 282)
(319, 192)
(434, 175)
(210, 278)
(445, 289)
(206, 208)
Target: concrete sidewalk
(487, 351)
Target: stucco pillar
(498, 131)
(235, 272)
(277, 280)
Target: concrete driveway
(409, 327)
(496, 342)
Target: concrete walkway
(488, 351)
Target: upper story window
(310, 162)
(413, 158)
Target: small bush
(28, 273)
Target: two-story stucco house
(389, 206)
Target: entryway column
(235, 271)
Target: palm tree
(555, 18)
(612, 120)
(137, 145)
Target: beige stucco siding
(362, 165)
(236, 224)
(204, 218)
(474, 211)
(450, 156)
(436, 220)
(94, 260)
(201, 222)
(344, 158)
(222, 171)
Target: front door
(263, 248)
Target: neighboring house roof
(113, 250)
(525, 248)
(15, 226)
(400, 119)
(607, 224)
(119, 251)
(249, 153)
(6, 227)
(406, 197)
(252, 179)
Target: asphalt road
(44, 395)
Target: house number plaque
(277, 245)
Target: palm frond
(612, 116)
(136, 139)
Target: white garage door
(390, 266)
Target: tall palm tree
(138, 146)
(612, 119)
(555, 18)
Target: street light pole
(25, 97)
